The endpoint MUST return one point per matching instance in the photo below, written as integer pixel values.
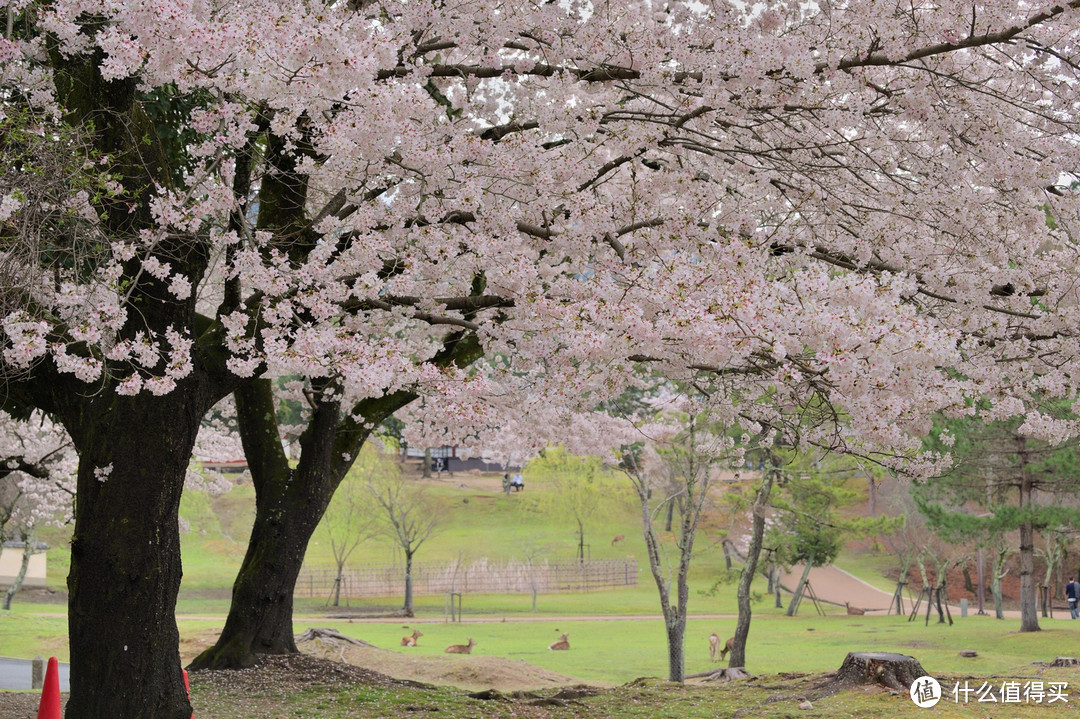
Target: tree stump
(895, 671)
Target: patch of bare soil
(20, 705)
(465, 672)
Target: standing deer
(619, 538)
(461, 648)
(411, 641)
(562, 644)
(717, 654)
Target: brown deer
(411, 641)
(619, 539)
(854, 610)
(562, 644)
(461, 648)
(717, 654)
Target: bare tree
(408, 519)
(349, 519)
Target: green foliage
(810, 524)
(978, 499)
(582, 490)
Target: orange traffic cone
(49, 706)
(187, 686)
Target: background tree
(349, 519)
(810, 519)
(675, 462)
(579, 491)
(37, 467)
(407, 519)
(1004, 481)
(205, 217)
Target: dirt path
(832, 584)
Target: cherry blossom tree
(37, 471)
(674, 461)
(823, 205)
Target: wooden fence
(479, 577)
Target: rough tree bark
(129, 487)
(289, 505)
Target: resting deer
(563, 643)
(854, 610)
(717, 654)
(411, 641)
(461, 648)
(619, 538)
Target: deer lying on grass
(461, 648)
(854, 610)
(562, 644)
(717, 654)
(411, 641)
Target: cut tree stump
(895, 671)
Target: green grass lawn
(609, 652)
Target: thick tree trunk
(288, 507)
(753, 552)
(125, 556)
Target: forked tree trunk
(288, 507)
(289, 503)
